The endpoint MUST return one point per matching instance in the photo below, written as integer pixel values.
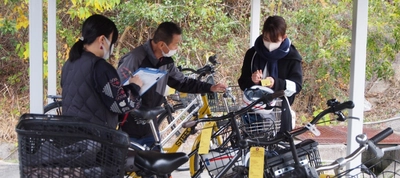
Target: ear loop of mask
(107, 54)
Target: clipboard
(149, 77)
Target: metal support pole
(52, 49)
(357, 79)
(36, 56)
(255, 21)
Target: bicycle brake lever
(228, 93)
(341, 116)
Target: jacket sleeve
(294, 73)
(128, 63)
(178, 81)
(117, 98)
(245, 77)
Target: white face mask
(107, 53)
(272, 46)
(170, 53)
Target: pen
(130, 73)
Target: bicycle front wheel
(221, 152)
(54, 108)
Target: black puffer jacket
(91, 90)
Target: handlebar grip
(381, 135)
(204, 70)
(271, 96)
(342, 106)
(275, 95)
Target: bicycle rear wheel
(54, 108)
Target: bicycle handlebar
(334, 108)
(342, 106)
(381, 135)
(365, 144)
(265, 99)
(207, 69)
(228, 94)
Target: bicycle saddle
(147, 114)
(158, 163)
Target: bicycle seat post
(154, 131)
(147, 116)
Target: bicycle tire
(54, 108)
(196, 161)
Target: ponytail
(76, 51)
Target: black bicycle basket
(282, 165)
(64, 146)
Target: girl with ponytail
(91, 88)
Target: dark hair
(93, 27)
(165, 32)
(274, 27)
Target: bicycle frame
(334, 108)
(198, 112)
(232, 162)
(186, 133)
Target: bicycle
(59, 146)
(365, 145)
(317, 170)
(55, 107)
(236, 150)
(191, 107)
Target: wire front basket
(261, 124)
(217, 159)
(62, 146)
(282, 165)
(220, 103)
(186, 98)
